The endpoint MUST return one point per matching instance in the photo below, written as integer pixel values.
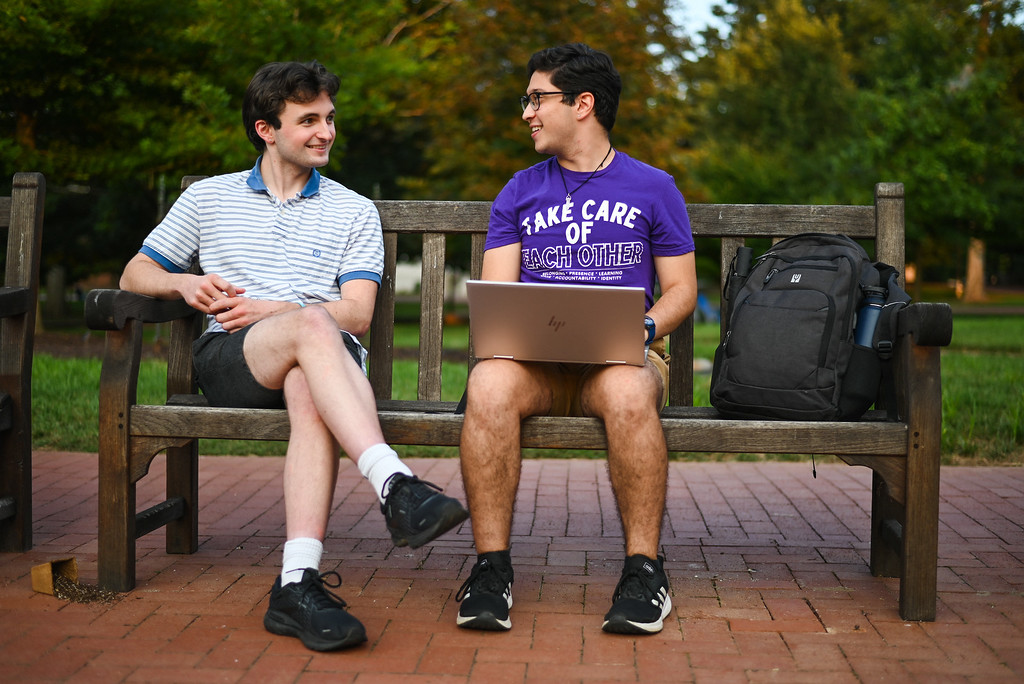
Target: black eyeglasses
(534, 98)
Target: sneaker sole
(452, 517)
(619, 624)
(484, 621)
(282, 626)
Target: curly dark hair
(278, 83)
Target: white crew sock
(299, 554)
(378, 464)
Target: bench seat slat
(435, 424)
(210, 422)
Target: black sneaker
(641, 601)
(417, 512)
(487, 595)
(307, 610)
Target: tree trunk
(974, 289)
(55, 293)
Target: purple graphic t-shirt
(607, 233)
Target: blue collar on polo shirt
(255, 181)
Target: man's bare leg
(309, 339)
(500, 394)
(627, 400)
(331, 404)
(311, 464)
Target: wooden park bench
(903, 455)
(22, 215)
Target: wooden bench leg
(116, 553)
(905, 534)
(921, 518)
(15, 477)
(920, 545)
(183, 482)
(886, 530)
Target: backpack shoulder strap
(884, 338)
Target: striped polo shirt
(301, 250)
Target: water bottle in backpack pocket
(868, 314)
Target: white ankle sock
(378, 464)
(299, 554)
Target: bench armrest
(14, 301)
(929, 323)
(111, 309)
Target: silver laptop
(556, 322)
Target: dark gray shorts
(225, 378)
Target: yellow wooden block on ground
(43, 575)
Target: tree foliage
(799, 101)
(113, 103)
(820, 100)
(469, 106)
(774, 104)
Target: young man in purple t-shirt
(588, 214)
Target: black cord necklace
(568, 195)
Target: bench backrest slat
(780, 220)
(428, 385)
(22, 214)
(428, 216)
(382, 327)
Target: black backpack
(789, 350)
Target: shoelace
(484, 578)
(325, 597)
(413, 495)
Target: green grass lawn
(982, 403)
(983, 391)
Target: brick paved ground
(768, 570)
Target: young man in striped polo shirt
(290, 258)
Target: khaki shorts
(566, 381)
